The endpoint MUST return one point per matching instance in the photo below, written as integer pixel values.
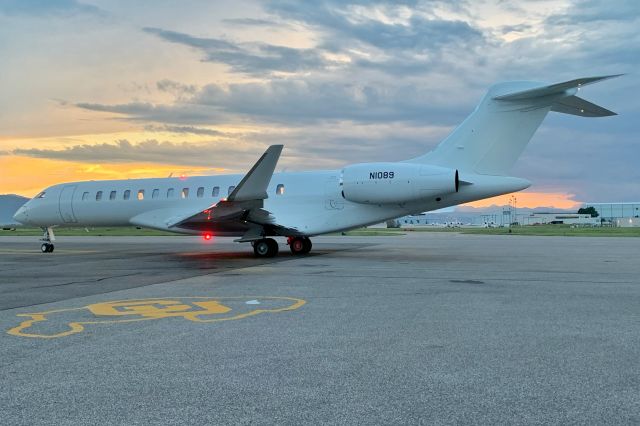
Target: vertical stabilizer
(490, 140)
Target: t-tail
(490, 140)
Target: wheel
(296, 245)
(51, 248)
(307, 245)
(46, 248)
(273, 247)
(300, 245)
(267, 247)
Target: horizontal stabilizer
(553, 89)
(254, 185)
(578, 106)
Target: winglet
(254, 185)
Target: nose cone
(21, 215)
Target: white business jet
(472, 163)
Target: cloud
(46, 8)
(187, 130)
(298, 101)
(361, 35)
(146, 111)
(252, 58)
(253, 22)
(148, 151)
(177, 89)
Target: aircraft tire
(307, 245)
(267, 247)
(300, 245)
(46, 248)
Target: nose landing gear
(48, 238)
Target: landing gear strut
(48, 238)
(299, 245)
(266, 247)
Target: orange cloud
(28, 176)
(560, 200)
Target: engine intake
(391, 183)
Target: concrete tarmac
(426, 328)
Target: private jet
(471, 164)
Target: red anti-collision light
(207, 237)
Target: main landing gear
(268, 247)
(48, 238)
(299, 245)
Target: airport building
(613, 211)
(560, 219)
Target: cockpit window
(40, 195)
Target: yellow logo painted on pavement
(68, 321)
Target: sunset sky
(117, 89)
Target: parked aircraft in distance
(471, 164)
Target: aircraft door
(66, 204)
(332, 197)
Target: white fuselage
(310, 202)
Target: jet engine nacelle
(390, 183)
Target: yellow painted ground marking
(150, 309)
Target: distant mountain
(9, 204)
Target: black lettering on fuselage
(381, 175)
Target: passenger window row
(155, 194)
(184, 193)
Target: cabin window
(155, 194)
(141, 194)
(85, 196)
(231, 188)
(170, 192)
(280, 189)
(98, 195)
(200, 192)
(112, 195)
(40, 195)
(216, 191)
(127, 194)
(184, 193)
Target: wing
(242, 213)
